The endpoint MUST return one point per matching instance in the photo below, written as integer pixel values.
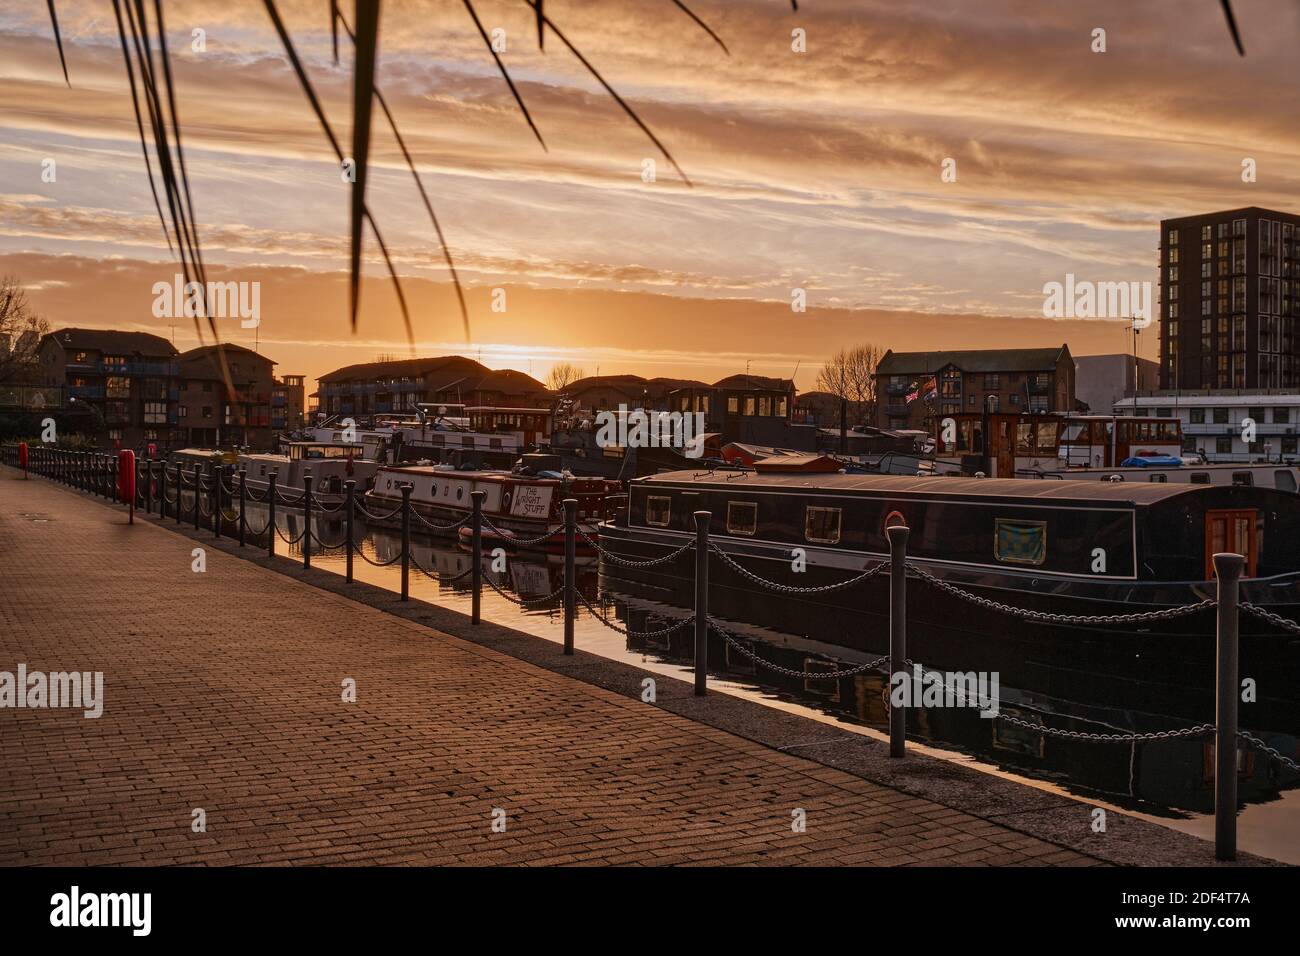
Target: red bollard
(126, 480)
(22, 457)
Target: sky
(819, 171)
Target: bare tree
(20, 329)
(851, 374)
(862, 362)
(563, 374)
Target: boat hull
(1114, 663)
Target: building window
(658, 511)
(116, 386)
(1020, 542)
(1281, 416)
(742, 517)
(1197, 416)
(749, 405)
(207, 411)
(822, 525)
(155, 413)
(733, 405)
(184, 411)
(1220, 416)
(1223, 445)
(991, 381)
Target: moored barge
(1064, 547)
(517, 508)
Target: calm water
(1170, 782)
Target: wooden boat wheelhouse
(1088, 448)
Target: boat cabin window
(1200, 478)
(742, 517)
(1036, 438)
(822, 525)
(1020, 542)
(1284, 480)
(1158, 477)
(1243, 478)
(658, 510)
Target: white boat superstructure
(329, 463)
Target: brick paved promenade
(223, 692)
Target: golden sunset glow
(818, 171)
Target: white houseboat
(330, 465)
(518, 507)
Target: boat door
(1230, 530)
(1002, 448)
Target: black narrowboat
(1065, 547)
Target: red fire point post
(126, 481)
(22, 457)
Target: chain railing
(151, 481)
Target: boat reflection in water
(526, 576)
(1167, 776)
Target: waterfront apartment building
(372, 388)
(125, 383)
(915, 387)
(754, 409)
(211, 415)
(288, 403)
(607, 392)
(1253, 425)
(1229, 300)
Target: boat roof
(931, 486)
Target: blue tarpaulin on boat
(1163, 461)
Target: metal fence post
(306, 512)
(897, 536)
(198, 495)
(270, 526)
(180, 492)
(218, 492)
(162, 489)
(350, 486)
(407, 488)
(476, 552)
(1227, 569)
(702, 602)
(570, 569)
(148, 486)
(243, 505)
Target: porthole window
(1020, 542)
(658, 511)
(742, 517)
(822, 525)
(460, 493)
